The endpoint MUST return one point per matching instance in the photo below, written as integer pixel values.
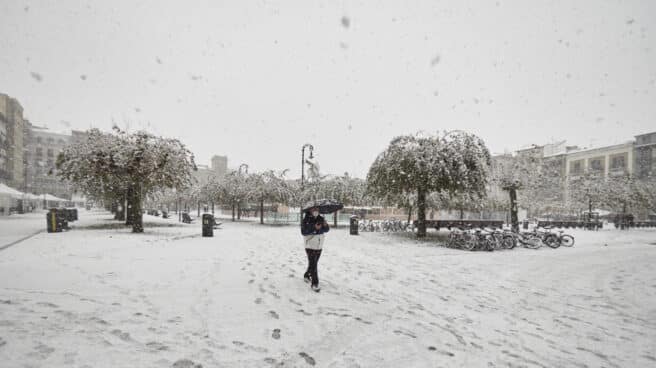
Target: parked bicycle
(391, 225)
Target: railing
(275, 218)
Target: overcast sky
(254, 80)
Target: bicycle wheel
(532, 242)
(551, 240)
(489, 244)
(567, 240)
(509, 242)
(469, 242)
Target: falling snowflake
(37, 77)
(435, 60)
(346, 22)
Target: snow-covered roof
(9, 191)
(50, 197)
(626, 144)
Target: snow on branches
(452, 163)
(110, 166)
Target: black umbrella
(324, 205)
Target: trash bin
(353, 225)
(69, 214)
(52, 222)
(208, 225)
(62, 218)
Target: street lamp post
(245, 166)
(311, 147)
(303, 161)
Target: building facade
(12, 125)
(218, 169)
(220, 165)
(41, 155)
(645, 155)
(604, 161)
(563, 164)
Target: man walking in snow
(313, 228)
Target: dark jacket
(307, 227)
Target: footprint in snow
(276, 334)
(121, 335)
(308, 359)
(186, 363)
(154, 345)
(273, 314)
(42, 351)
(46, 304)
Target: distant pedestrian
(313, 228)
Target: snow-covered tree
(589, 190)
(234, 189)
(452, 162)
(529, 181)
(140, 164)
(626, 193)
(91, 166)
(345, 189)
(269, 186)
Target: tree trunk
(513, 209)
(114, 208)
(624, 224)
(409, 214)
(589, 213)
(421, 213)
(129, 215)
(233, 211)
(198, 215)
(137, 213)
(335, 218)
(238, 211)
(212, 207)
(462, 213)
(262, 211)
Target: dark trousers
(313, 258)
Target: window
(39, 152)
(50, 140)
(38, 140)
(576, 167)
(596, 164)
(50, 152)
(618, 162)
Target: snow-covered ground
(99, 296)
(16, 227)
